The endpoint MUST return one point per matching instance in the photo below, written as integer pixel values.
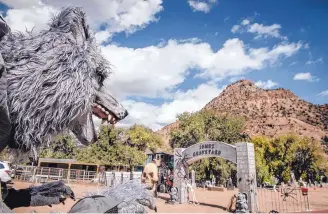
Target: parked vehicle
(5, 172)
(167, 183)
(12, 173)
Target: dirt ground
(210, 201)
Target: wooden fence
(46, 174)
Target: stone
(246, 173)
(193, 179)
(241, 203)
(230, 185)
(241, 153)
(173, 196)
(213, 181)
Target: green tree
(261, 145)
(143, 138)
(206, 125)
(284, 154)
(117, 146)
(63, 146)
(4, 154)
(309, 159)
(324, 143)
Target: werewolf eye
(101, 79)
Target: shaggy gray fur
(133, 196)
(53, 78)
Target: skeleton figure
(52, 82)
(150, 177)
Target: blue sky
(197, 47)
(300, 20)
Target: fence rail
(282, 199)
(39, 174)
(45, 174)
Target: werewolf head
(55, 81)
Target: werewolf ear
(72, 20)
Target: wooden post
(69, 171)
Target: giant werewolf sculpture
(54, 79)
(49, 83)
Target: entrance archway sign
(241, 154)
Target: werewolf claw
(50, 193)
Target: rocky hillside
(268, 112)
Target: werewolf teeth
(110, 118)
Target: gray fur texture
(53, 79)
(133, 196)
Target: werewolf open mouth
(107, 108)
(104, 114)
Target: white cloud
(310, 61)
(19, 4)
(293, 63)
(305, 76)
(117, 15)
(266, 84)
(259, 29)
(235, 28)
(266, 31)
(156, 117)
(236, 59)
(154, 71)
(235, 79)
(323, 93)
(245, 22)
(202, 5)
(33, 17)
